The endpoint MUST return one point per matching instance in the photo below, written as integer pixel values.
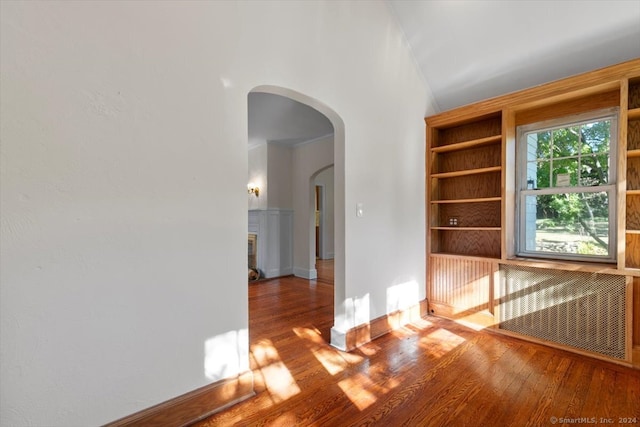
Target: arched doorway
(304, 219)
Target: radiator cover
(582, 310)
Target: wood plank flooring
(434, 372)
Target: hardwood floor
(434, 372)
(325, 270)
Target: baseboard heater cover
(583, 310)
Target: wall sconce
(253, 189)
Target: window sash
(610, 188)
(522, 235)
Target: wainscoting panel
(274, 231)
(462, 288)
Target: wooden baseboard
(193, 406)
(363, 334)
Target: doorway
(318, 220)
(303, 193)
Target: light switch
(359, 209)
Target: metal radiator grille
(578, 309)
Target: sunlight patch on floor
(470, 324)
(273, 372)
(357, 388)
(403, 332)
(417, 328)
(420, 324)
(441, 342)
(369, 349)
(309, 334)
(364, 388)
(332, 360)
(285, 420)
(258, 378)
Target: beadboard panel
(461, 288)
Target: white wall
(279, 176)
(308, 160)
(124, 170)
(325, 179)
(258, 176)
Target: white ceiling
(277, 119)
(469, 50)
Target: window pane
(596, 137)
(594, 170)
(566, 141)
(565, 172)
(538, 175)
(567, 158)
(538, 145)
(570, 223)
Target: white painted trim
(338, 339)
(289, 145)
(271, 210)
(321, 226)
(278, 272)
(298, 144)
(305, 274)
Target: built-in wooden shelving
(474, 200)
(633, 113)
(471, 194)
(468, 144)
(632, 231)
(466, 172)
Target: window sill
(593, 267)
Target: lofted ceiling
(470, 50)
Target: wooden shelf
(466, 172)
(470, 154)
(468, 144)
(633, 192)
(457, 256)
(633, 114)
(632, 249)
(633, 153)
(475, 200)
(468, 228)
(463, 257)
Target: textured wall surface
(124, 173)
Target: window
(566, 189)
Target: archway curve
(339, 196)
